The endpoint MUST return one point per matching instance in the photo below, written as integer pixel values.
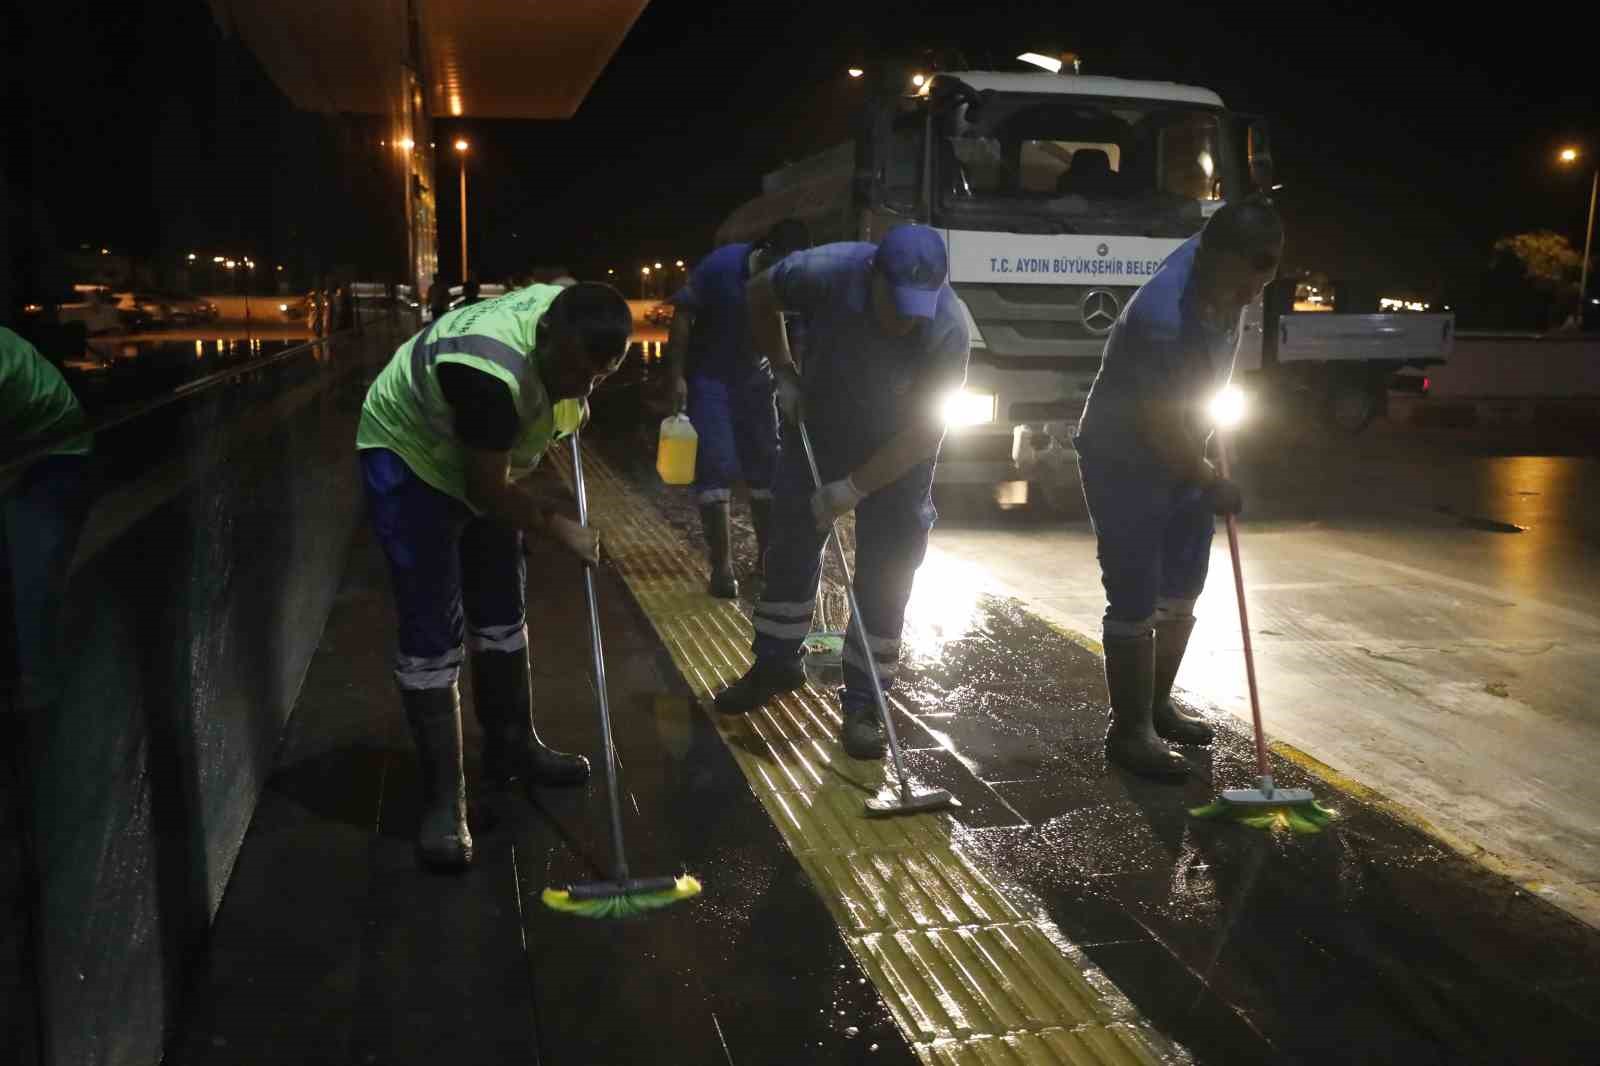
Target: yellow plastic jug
(675, 450)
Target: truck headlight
(1228, 407)
(963, 407)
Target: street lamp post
(1570, 155)
(461, 151)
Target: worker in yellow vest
(43, 507)
(462, 413)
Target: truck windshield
(1047, 163)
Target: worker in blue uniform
(887, 343)
(727, 388)
(1152, 494)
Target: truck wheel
(1351, 405)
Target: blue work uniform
(730, 387)
(862, 388)
(1153, 530)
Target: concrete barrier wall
(204, 576)
(1519, 367)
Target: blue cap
(913, 261)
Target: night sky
(1407, 140)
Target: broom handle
(860, 626)
(619, 857)
(1244, 625)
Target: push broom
(889, 802)
(624, 895)
(1267, 806)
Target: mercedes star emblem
(1100, 309)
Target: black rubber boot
(1171, 721)
(434, 714)
(761, 519)
(1131, 740)
(719, 546)
(862, 733)
(765, 679)
(512, 750)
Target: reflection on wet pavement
(1368, 942)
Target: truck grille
(1037, 319)
(1044, 412)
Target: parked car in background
(486, 291)
(92, 305)
(144, 310)
(293, 308)
(189, 310)
(659, 315)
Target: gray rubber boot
(1171, 721)
(714, 520)
(503, 697)
(862, 734)
(443, 839)
(1131, 740)
(765, 679)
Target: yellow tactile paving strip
(970, 978)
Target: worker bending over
(712, 370)
(463, 411)
(886, 343)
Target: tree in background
(1550, 264)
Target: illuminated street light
(658, 266)
(216, 259)
(191, 257)
(1570, 155)
(408, 144)
(105, 251)
(679, 264)
(461, 145)
(918, 80)
(645, 271)
(855, 72)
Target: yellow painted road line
(971, 978)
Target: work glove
(791, 397)
(581, 540)
(834, 499)
(1226, 499)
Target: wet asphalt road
(1406, 635)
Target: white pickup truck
(1344, 363)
